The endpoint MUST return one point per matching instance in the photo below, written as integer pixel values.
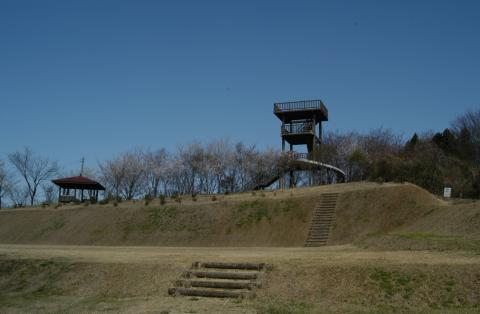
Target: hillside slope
(279, 218)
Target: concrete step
(316, 243)
(318, 233)
(319, 229)
(314, 232)
(325, 225)
(323, 218)
(318, 238)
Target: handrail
(299, 105)
(302, 127)
(260, 183)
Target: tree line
(196, 168)
(431, 160)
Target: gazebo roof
(78, 182)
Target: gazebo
(68, 187)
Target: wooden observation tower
(299, 124)
(302, 125)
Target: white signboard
(447, 192)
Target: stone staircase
(322, 220)
(220, 280)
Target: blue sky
(95, 78)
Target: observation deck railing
(297, 128)
(299, 105)
(293, 155)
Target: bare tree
(133, 183)
(191, 160)
(243, 159)
(155, 166)
(112, 174)
(33, 169)
(124, 176)
(18, 195)
(49, 193)
(6, 182)
(470, 122)
(380, 143)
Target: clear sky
(94, 78)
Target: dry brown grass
(279, 218)
(333, 279)
(399, 267)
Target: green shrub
(214, 198)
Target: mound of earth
(273, 218)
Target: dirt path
(333, 255)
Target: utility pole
(81, 169)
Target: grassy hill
(279, 218)
(394, 248)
